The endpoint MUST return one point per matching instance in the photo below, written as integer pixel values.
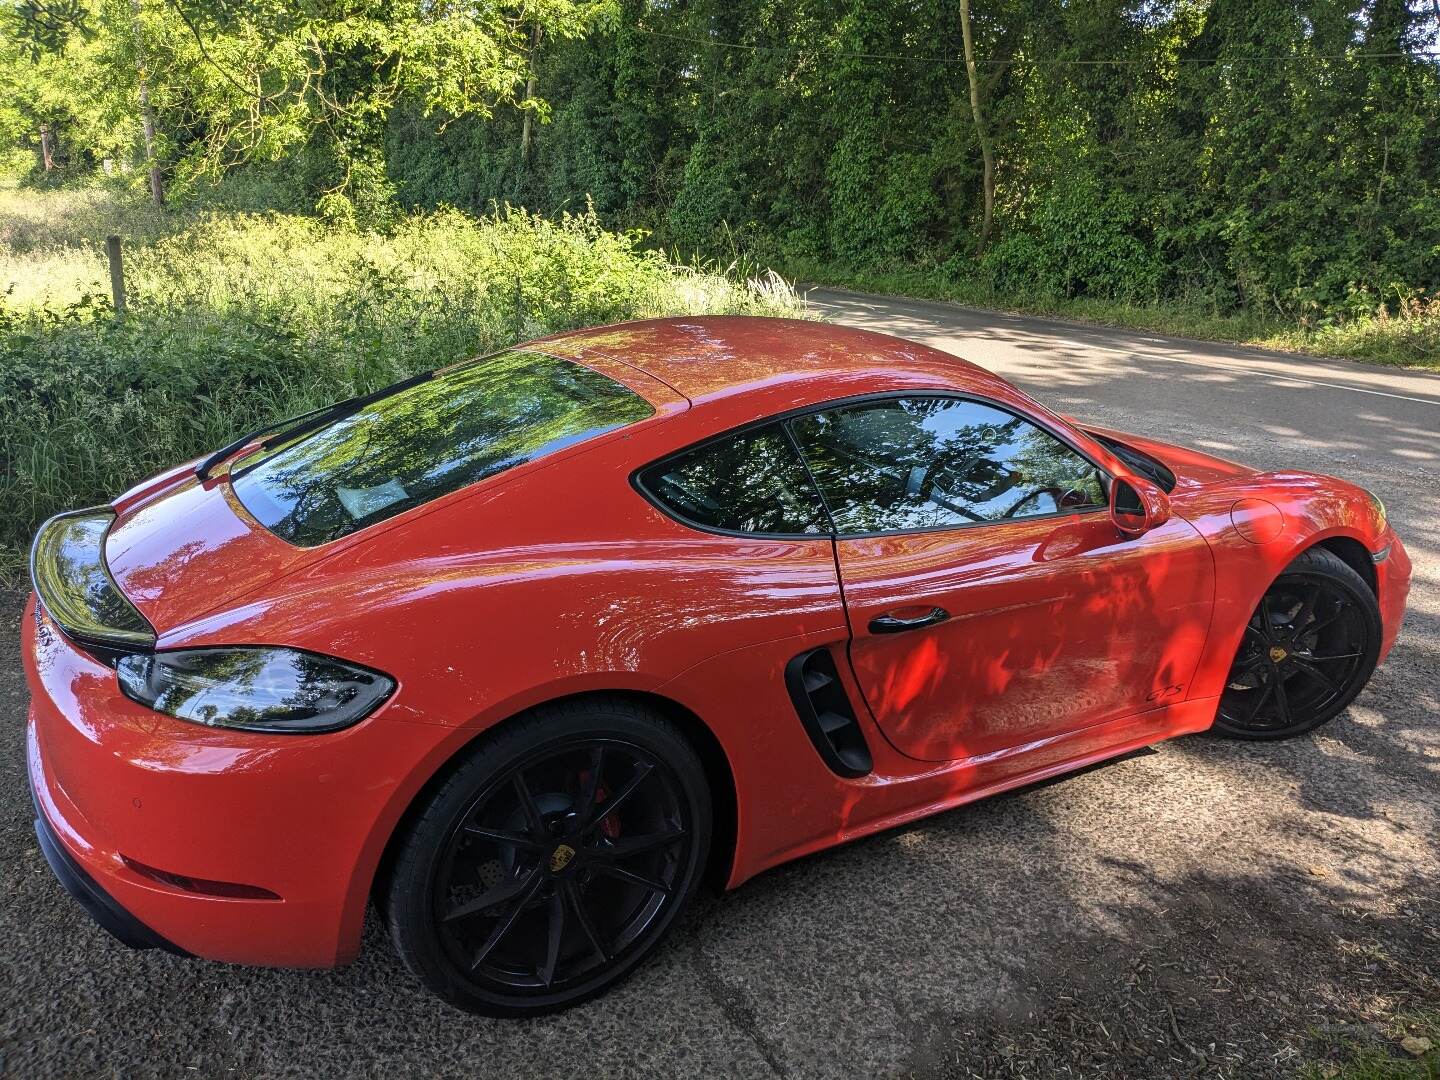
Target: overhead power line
(1043, 61)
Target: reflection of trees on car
(750, 483)
(1047, 464)
(429, 439)
(915, 463)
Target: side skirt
(885, 802)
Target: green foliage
(1228, 157)
(1248, 156)
(1272, 160)
(881, 205)
(709, 200)
(244, 84)
(237, 320)
(1082, 239)
(55, 72)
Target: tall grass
(236, 320)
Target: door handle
(891, 624)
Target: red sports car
(525, 648)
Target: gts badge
(1164, 693)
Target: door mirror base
(1137, 505)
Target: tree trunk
(147, 125)
(47, 148)
(530, 87)
(987, 152)
(147, 114)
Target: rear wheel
(1309, 649)
(553, 861)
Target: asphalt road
(1207, 908)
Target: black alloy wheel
(553, 861)
(1308, 650)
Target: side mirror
(1137, 505)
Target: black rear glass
(1141, 462)
(427, 440)
(752, 482)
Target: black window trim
(783, 420)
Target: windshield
(427, 440)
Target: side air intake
(825, 710)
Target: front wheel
(554, 859)
(1308, 650)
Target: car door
(992, 603)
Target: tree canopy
(1275, 155)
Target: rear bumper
(147, 820)
(100, 905)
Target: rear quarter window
(427, 440)
(752, 482)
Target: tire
(1308, 650)
(518, 897)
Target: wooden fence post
(117, 273)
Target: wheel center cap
(1277, 654)
(560, 857)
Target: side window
(752, 482)
(929, 462)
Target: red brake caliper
(610, 827)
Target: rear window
(427, 440)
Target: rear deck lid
(188, 549)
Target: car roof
(710, 356)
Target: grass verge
(1408, 1049)
(1403, 335)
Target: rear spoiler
(67, 568)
